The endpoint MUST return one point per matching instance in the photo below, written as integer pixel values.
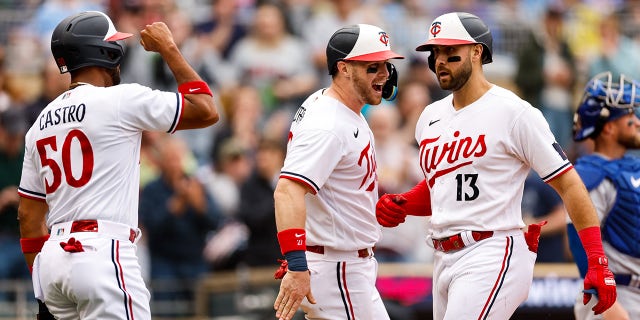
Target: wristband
(591, 242)
(292, 240)
(195, 87)
(296, 260)
(33, 245)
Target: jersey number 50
(87, 160)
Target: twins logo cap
(361, 42)
(458, 28)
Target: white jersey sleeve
(312, 157)
(534, 143)
(82, 155)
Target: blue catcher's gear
(604, 100)
(622, 225)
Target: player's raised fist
(600, 278)
(389, 212)
(156, 36)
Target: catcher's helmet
(604, 100)
(361, 42)
(458, 28)
(87, 39)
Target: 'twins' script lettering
(433, 154)
(368, 161)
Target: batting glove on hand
(389, 212)
(600, 278)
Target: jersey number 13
(468, 183)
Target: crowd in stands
(262, 59)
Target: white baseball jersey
(331, 151)
(83, 154)
(476, 160)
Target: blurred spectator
(539, 203)
(510, 26)
(12, 129)
(546, 75)
(51, 12)
(398, 169)
(618, 53)
(223, 30)
(177, 214)
(413, 97)
(581, 22)
(629, 13)
(257, 210)
(245, 118)
(222, 177)
(274, 61)
(393, 154)
(52, 85)
(149, 157)
(5, 98)
(407, 22)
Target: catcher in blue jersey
(607, 115)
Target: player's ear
(476, 52)
(343, 67)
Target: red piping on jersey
(313, 190)
(346, 290)
(180, 110)
(24, 195)
(494, 291)
(120, 277)
(561, 173)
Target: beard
(630, 142)
(457, 79)
(364, 90)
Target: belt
(460, 240)
(98, 226)
(362, 253)
(631, 280)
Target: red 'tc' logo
(435, 28)
(384, 38)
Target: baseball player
(477, 146)
(606, 116)
(326, 195)
(80, 176)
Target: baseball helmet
(87, 39)
(457, 28)
(361, 42)
(604, 100)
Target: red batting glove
(389, 212)
(600, 278)
(282, 270)
(532, 235)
